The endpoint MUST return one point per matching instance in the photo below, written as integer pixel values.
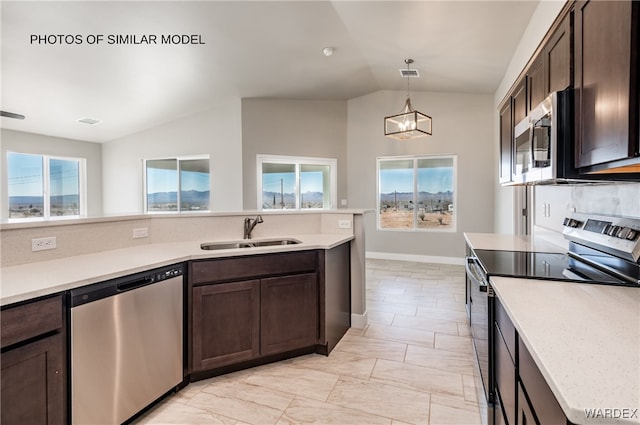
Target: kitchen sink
(248, 244)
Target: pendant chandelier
(409, 123)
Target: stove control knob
(623, 232)
(571, 222)
(631, 235)
(613, 230)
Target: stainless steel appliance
(481, 315)
(543, 141)
(126, 344)
(602, 250)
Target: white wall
(462, 125)
(307, 128)
(216, 131)
(16, 141)
(540, 22)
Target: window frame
(298, 161)
(46, 187)
(179, 181)
(415, 159)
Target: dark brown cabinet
(288, 313)
(335, 296)
(550, 70)
(226, 324)
(519, 101)
(246, 308)
(606, 81)
(536, 84)
(593, 48)
(557, 58)
(542, 403)
(506, 142)
(33, 376)
(525, 412)
(523, 395)
(505, 366)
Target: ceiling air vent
(87, 120)
(409, 73)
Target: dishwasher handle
(127, 286)
(475, 275)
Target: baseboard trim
(359, 321)
(416, 258)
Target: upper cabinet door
(605, 92)
(536, 83)
(506, 142)
(557, 56)
(519, 97)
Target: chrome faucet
(249, 224)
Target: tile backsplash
(554, 202)
(84, 237)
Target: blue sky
(25, 175)
(163, 180)
(310, 182)
(432, 180)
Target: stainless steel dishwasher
(126, 344)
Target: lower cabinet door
(505, 373)
(225, 324)
(33, 383)
(525, 413)
(289, 313)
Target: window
(417, 193)
(45, 187)
(177, 184)
(296, 183)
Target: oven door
(481, 318)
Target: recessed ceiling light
(87, 120)
(328, 51)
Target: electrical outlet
(343, 202)
(40, 244)
(142, 232)
(344, 224)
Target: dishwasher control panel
(167, 274)
(96, 291)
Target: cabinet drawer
(505, 372)
(240, 268)
(507, 329)
(544, 403)
(30, 320)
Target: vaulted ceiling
(270, 49)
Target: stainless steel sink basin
(248, 244)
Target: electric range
(602, 250)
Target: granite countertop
(505, 242)
(32, 280)
(584, 338)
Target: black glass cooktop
(541, 265)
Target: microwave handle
(532, 133)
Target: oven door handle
(473, 274)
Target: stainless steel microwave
(543, 140)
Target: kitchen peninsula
(317, 277)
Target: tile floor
(413, 364)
